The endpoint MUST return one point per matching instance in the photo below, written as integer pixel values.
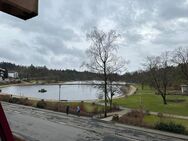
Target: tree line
(43, 73)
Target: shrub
(135, 117)
(22, 101)
(115, 117)
(147, 112)
(160, 115)
(55, 106)
(41, 104)
(15, 100)
(115, 106)
(25, 101)
(82, 107)
(171, 127)
(5, 98)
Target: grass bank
(148, 100)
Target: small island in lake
(42, 91)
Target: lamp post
(59, 92)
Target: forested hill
(43, 73)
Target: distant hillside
(43, 73)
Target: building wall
(184, 89)
(13, 75)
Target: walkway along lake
(71, 92)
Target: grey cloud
(55, 38)
(171, 10)
(5, 53)
(57, 47)
(170, 41)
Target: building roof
(24, 9)
(12, 72)
(184, 85)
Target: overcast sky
(57, 37)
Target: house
(184, 89)
(3, 73)
(13, 75)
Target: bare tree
(180, 57)
(102, 57)
(159, 70)
(113, 88)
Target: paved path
(126, 110)
(132, 90)
(43, 125)
(171, 115)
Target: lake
(72, 91)
(68, 92)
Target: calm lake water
(68, 92)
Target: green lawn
(152, 120)
(152, 102)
